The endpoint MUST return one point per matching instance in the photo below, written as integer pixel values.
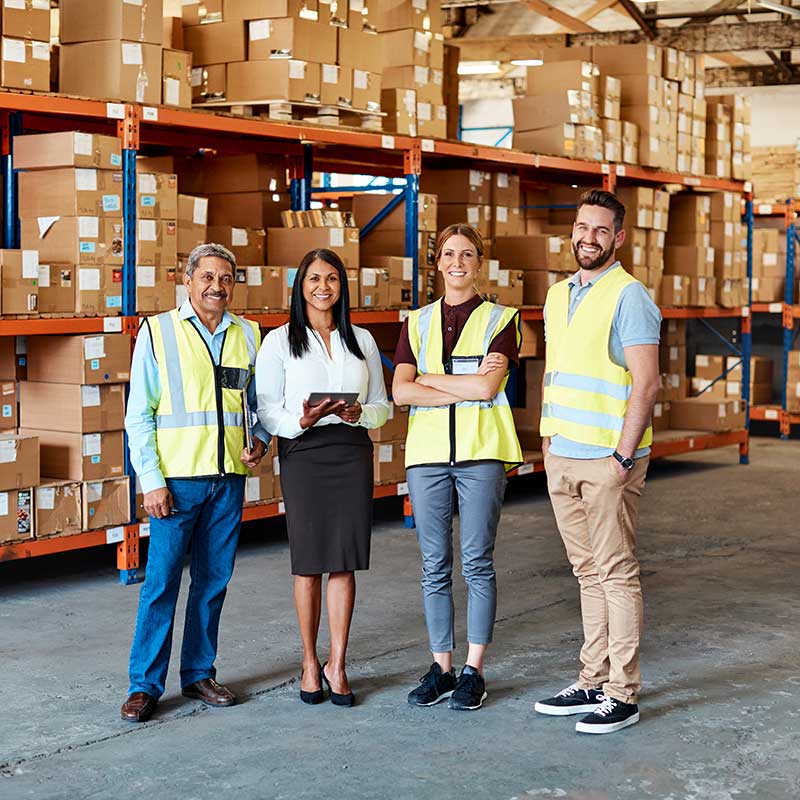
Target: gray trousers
(480, 488)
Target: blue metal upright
(788, 319)
(747, 328)
(300, 185)
(411, 194)
(10, 186)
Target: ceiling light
(773, 5)
(479, 68)
(528, 62)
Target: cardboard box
(268, 288)
(675, 290)
(259, 210)
(17, 522)
(201, 12)
(761, 369)
(290, 81)
(99, 290)
(247, 245)
(361, 49)
(389, 462)
(25, 64)
(156, 196)
(367, 90)
(67, 149)
(628, 59)
(694, 261)
(396, 426)
(533, 112)
(505, 190)
(290, 37)
(381, 243)
(661, 416)
(506, 221)
(89, 21)
(156, 242)
(563, 75)
(368, 205)
(8, 406)
(336, 87)
(81, 409)
(537, 284)
(19, 273)
(70, 192)
(19, 461)
(58, 509)
(249, 172)
(409, 46)
(558, 140)
(477, 216)
(731, 293)
(703, 291)
(508, 289)
(176, 74)
(673, 332)
(394, 15)
(673, 387)
(400, 107)
(431, 120)
(26, 20)
(699, 414)
(80, 456)
(217, 43)
(172, 33)
(192, 226)
(85, 359)
(209, 82)
(388, 284)
(261, 9)
(155, 289)
(287, 246)
(131, 70)
(672, 358)
(84, 240)
(106, 503)
(470, 187)
(534, 252)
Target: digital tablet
(318, 397)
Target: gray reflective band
(494, 318)
(197, 419)
(591, 419)
(425, 315)
(583, 383)
(250, 338)
(173, 365)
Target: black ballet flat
(316, 697)
(337, 699)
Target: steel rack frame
(305, 147)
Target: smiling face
(210, 285)
(594, 239)
(459, 262)
(321, 286)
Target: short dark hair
(597, 197)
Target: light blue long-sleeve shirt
(145, 395)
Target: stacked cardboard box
(543, 259)
(111, 50)
(688, 255)
(672, 365)
(729, 240)
(505, 195)
(769, 265)
(528, 414)
(70, 208)
(176, 70)
(19, 282)
(25, 61)
(719, 141)
(463, 197)
(263, 483)
(793, 382)
(19, 474)
(707, 414)
(720, 377)
(776, 173)
(390, 445)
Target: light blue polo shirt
(637, 320)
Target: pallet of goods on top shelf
(776, 173)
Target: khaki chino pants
(596, 515)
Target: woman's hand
(351, 414)
(491, 363)
(313, 414)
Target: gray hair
(206, 250)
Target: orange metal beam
(30, 327)
(695, 442)
(45, 547)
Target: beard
(602, 257)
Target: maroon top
(454, 318)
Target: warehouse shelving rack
(306, 147)
(789, 312)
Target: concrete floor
(720, 710)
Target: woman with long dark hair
(325, 455)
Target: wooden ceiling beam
(633, 12)
(561, 17)
(598, 8)
(732, 60)
(761, 75)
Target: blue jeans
(480, 488)
(208, 518)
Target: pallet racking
(305, 147)
(789, 312)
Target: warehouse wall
(494, 111)
(776, 114)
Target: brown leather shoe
(139, 707)
(211, 693)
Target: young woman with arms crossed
(451, 367)
(325, 455)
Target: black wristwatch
(627, 463)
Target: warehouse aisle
(720, 709)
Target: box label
(197, 76)
(330, 73)
(86, 180)
(147, 183)
(82, 144)
(8, 451)
(147, 230)
(92, 444)
(44, 276)
(94, 492)
(360, 79)
(114, 301)
(88, 227)
(14, 51)
(297, 70)
(337, 237)
(90, 396)
(94, 347)
(3, 504)
(254, 277)
(172, 91)
(40, 51)
(200, 213)
(385, 452)
(408, 269)
(146, 276)
(260, 29)
(132, 53)
(111, 202)
(30, 264)
(88, 279)
(46, 498)
(239, 237)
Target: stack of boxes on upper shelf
(769, 262)
(793, 382)
(79, 451)
(776, 173)
(25, 59)
(719, 377)
(114, 50)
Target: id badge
(465, 365)
(233, 377)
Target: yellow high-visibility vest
(586, 393)
(200, 417)
(468, 430)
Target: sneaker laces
(606, 706)
(569, 691)
(467, 681)
(429, 679)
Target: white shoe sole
(582, 727)
(471, 708)
(565, 711)
(443, 696)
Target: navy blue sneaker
(434, 686)
(572, 700)
(470, 691)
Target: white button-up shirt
(283, 382)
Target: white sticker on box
(200, 213)
(260, 29)
(357, 6)
(94, 492)
(89, 279)
(94, 347)
(276, 466)
(86, 180)
(502, 213)
(239, 237)
(360, 79)
(14, 50)
(30, 264)
(44, 276)
(147, 183)
(133, 2)
(554, 244)
(424, 111)
(502, 180)
(503, 277)
(17, 4)
(90, 396)
(701, 361)
(88, 227)
(673, 353)
(675, 381)
(734, 387)
(197, 76)
(330, 73)
(420, 5)
(82, 144)
(132, 53)
(92, 444)
(473, 215)
(408, 269)
(46, 498)
(721, 410)
(421, 75)
(40, 51)
(252, 489)
(147, 230)
(254, 277)
(3, 504)
(475, 177)
(770, 260)
(701, 284)
(641, 219)
(494, 268)
(368, 277)
(8, 451)
(677, 283)
(658, 410)
(728, 258)
(385, 453)
(421, 41)
(637, 255)
(146, 276)
(297, 70)
(336, 237)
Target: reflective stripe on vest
(484, 430)
(194, 436)
(585, 393)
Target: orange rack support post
(408, 513)
(128, 555)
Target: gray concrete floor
(720, 710)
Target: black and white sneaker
(434, 686)
(470, 691)
(611, 715)
(572, 700)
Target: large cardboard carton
(536, 286)
(557, 140)
(477, 216)
(201, 12)
(217, 43)
(409, 46)
(250, 172)
(675, 290)
(8, 406)
(381, 243)
(19, 274)
(106, 503)
(699, 414)
(293, 38)
(470, 187)
(80, 456)
(694, 261)
(361, 49)
(267, 288)
(156, 195)
(400, 107)
(155, 289)
(534, 252)
(246, 244)
(582, 76)
(287, 246)
(209, 82)
(258, 210)
(17, 522)
(192, 222)
(288, 80)
(172, 33)
(131, 71)
(19, 461)
(58, 509)
(157, 242)
(176, 74)
(628, 59)
(26, 20)
(81, 409)
(70, 192)
(67, 149)
(533, 112)
(761, 369)
(89, 21)
(395, 15)
(84, 240)
(25, 64)
(87, 359)
(389, 462)
(367, 90)
(396, 426)
(263, 9)
(388, 284)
